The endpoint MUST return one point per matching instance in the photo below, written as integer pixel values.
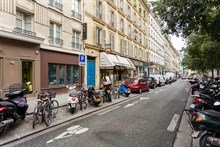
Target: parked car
(160, 79)
(137, 84)
(152, 82)
(168, 79)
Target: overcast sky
(177, 42)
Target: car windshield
(133, 80)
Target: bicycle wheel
(55, 107)
(47, 115)
(35, 116)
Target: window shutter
(97, 8)
(103, 12)
(125, 44)
(115, 17)
(103, 38)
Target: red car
(137, 84)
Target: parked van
(160, 79)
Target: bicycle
(82, 98)
(45, 108)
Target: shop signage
(82, 60)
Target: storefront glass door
(27, 73)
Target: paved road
(143, 121)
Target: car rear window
(132, 80)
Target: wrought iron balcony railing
(56, 41)
(76, 15)
(26, 32)
(56, 4)
(76, 45)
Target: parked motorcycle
(72, 99)
(124, 90)
(107, 91)
(94, 97)
(14, 108)
(205, 124)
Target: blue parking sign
(82, 59)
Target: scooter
(94, 97)
(72, 99)
(205, 124)
(107, 91)
(14, 108)
(124, 90)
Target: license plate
(195, 134)
(98, 100)
(192, 106)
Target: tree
(202, 53)
(189, 16)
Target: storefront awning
(126, 62)
(108, 61)
(105, 61)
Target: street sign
(82, 59)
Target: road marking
(70, 132)
(156, 92)
(132, 104)
(144, 98)
(173, 123)
(109, 110)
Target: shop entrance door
(27, 73)
(91, 72)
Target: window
(112, 41)
(75, 40)
(24, 23)
(121, 5)
(56, 4)
(52, 74)
(129, 30)
(61, 74)
(76, 9)
(122, 46)
(129, 11)
(54, 37)
(57, 74)
(100, 10)
(98, 37)
(121, 25)
(112, 18)
(72, 74)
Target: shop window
(52, 74)
(27, 73)
(61, 74)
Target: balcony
(76, 15)
(76, 45)
(56, 4)
(56, 41)
(25, 32)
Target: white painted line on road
(144, 98)
(156, 92)
(109, 110)
(132, 104)
(173, 123)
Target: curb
(52, 126)
(180, 135)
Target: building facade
(117, 39)
(40, 42)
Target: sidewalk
(184, 134)
(24, 128)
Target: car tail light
(73, 98)
(2, 109)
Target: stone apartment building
(41, 40)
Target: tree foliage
(202, 53)
(189, 16)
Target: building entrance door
(91, 72)
(27, 73)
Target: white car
(160, 79)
